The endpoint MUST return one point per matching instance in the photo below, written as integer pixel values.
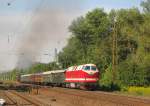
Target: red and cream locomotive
(82, 76)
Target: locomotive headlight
(90, 73)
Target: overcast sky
(32, 29)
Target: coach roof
(56, 71)
(26, 75)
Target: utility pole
(8, 38)
(56, 59)
(114, 51)
(55, 53)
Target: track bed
(69, 97)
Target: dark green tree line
(91, 42)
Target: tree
(146, 6)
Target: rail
(25, 98)
(108, 97)
(10, 99)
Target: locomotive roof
(83, 65)
(71, 68)
(90, 64)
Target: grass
(140, 91)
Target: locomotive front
(83, 76)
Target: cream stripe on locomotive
(82, 79)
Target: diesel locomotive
(83, 76)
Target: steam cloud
(22, 45)
(47, 27)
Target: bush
(139, 90)
(124, 88)
(106, 83)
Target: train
(84, 76)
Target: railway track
(30, 101)
(16, 99)
(104, 98)
(72, 97)
(9, 101)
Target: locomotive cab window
(87, 68)
(93, 68)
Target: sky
(30, 30)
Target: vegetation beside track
(142, 91)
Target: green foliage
(146, 5)
(39, 67)
(139, 90)
(131, 74)
(108, 82)
(107, 78)
(89, 34)
(91, 42)
(36, 68)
